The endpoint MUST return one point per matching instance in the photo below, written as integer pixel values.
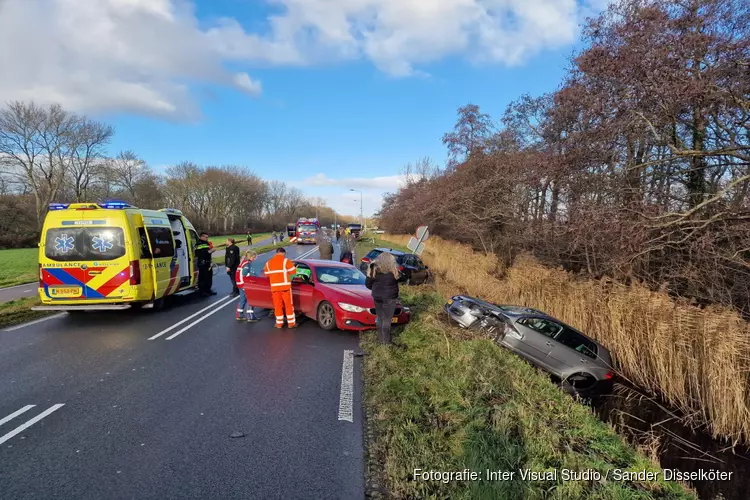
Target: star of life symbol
(100, 244)
(64, 243)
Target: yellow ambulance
(114, 256)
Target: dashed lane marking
(167, 330)
(201, 319)
(16, 413)
(28, 423)
(346, 397)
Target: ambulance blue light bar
(115, 205)
(59, 206)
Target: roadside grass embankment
(696, 359)
(19, 311)
(442, 400)
(18, 266)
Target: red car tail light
(135, 272)
(400, 268)
(365, 260)
(609, 375)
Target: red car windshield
(340, 275)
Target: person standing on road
(273, 238)
(203, 253)
(246, 268)
(325, 247)
(232, 262)
(382, 279)
(249, 239)
(280, 270)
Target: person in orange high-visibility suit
(279, 271)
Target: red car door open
(258, 292)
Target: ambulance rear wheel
(159, 304)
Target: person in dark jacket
(203, 253)
(382, 279)
(232, 262)
(325, 246)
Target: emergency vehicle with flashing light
(307, 230)
(112, 255)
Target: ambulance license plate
(394, 320)
(65, 291)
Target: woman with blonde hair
(382, 279)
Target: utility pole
(361, 217)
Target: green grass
(444, 400)
(364, 246)
(19, 311)
(18, 266)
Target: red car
(334, 295)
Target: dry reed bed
(698, 360)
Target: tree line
(50, 155)
(636, 168)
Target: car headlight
(351, 307)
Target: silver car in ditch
(581, 364)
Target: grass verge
(18, 266)
(368, 243)
(444, 401)
(19, 311)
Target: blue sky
(328, 96)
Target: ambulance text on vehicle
(114, 256)
(307, 230)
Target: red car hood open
(356, 295)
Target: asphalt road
(152, 419)
(30, 289)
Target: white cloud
(109, 55)
(389, 183)
(338, 196)
(141, 55)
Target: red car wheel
(326, 316)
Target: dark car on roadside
(578, 362)
(413, 270)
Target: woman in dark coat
(382, 279)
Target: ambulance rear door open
(182, 250)
(162, 247)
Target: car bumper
(366, 321)
(463, 320)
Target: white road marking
(15, 286)
(201, 319)
(304, 255)
(29, 423)
(16, 413)
(22, 325)
(347, 388)
(189, 318)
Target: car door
(571, 350)
(258, 288)
(161, 246)
(537, 340)
(302, 293)
(411, 270)
(421, 271)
